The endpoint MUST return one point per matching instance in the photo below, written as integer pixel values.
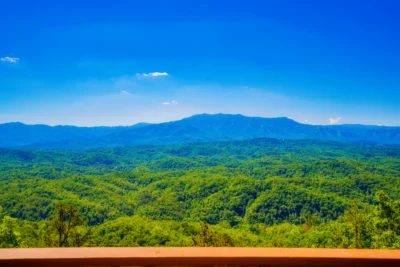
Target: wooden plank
(197, 257)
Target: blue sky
(123, 62)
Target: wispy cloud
(152, 74)
(334, 120)
(173, 102)
(124, 92)
(10, 59)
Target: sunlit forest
(253, 193)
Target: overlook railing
(60, 257)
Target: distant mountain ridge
(197, 128)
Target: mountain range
(198, 128)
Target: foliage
(66, 223)
(261, 192)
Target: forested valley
(258, 193)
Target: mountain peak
(238, 115)
(198, 128)
(13, 123)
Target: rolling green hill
(259, 192)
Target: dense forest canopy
(259, 192)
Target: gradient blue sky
(123, 62)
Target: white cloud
(152, 74)
(124, 92)
(173, 102)
(334, 120)
(10, 59)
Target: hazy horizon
(158, 122)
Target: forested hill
(198, 128)
(260, 192)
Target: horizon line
(198, 114)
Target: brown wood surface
(197, 257)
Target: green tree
(387, 225)
(358, 219)
(210, 238)
(68, 223)
(9, 237)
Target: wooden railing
(197, 257)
